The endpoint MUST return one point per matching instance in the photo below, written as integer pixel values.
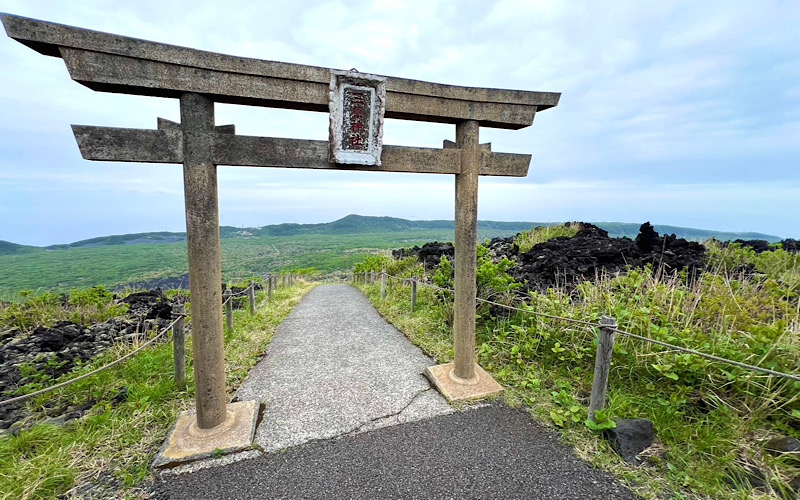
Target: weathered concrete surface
(188, 443)
(336, 367)
(162, 146)
(482, 386)
(466, 255)
(487, 453)
(205, 258)
(113, 63)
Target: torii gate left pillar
(205, 262)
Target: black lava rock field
(566, 261)
(26, 357)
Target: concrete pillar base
(456, 389)
(187, 442)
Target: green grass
(710, 418)
(93, 305)
(335, 246)
(777, 265)
(63, 269)
(45, 461)
(528, 239)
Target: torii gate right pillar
(464, 379)
(467, 136)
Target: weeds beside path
(135, 404)
(713, 421)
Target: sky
(675, 112)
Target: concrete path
(336, 367)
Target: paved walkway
(336, 370)
(336, 367)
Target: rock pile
(429, 254)
(760, 246)
(566, 261)
(49, 352)
(151, 304)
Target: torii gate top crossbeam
(114, 63)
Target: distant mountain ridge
(359, 224)
(6, 247)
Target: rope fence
(287, 279)
(177, 326)
(25, 397)
(606, 327)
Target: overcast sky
(682, 113)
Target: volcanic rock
(758, 246)
(429, 254)
(151, 304)
(565, 261)
(790, 245)
(631, 437)
(785, 446)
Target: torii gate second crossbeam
(117, 64)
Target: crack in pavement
(359, 428)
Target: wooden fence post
(283, 280)
(179, 345)
(383, 285)
(413, 294)
(602, 365)
(251, 294)
(228, 296)
(269, 288)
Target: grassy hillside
(134, 258)
(66, 268)
(359, 224)
(351, 224)
(124, 239)
(7, 248)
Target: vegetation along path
(336, 369)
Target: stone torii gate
(357, 103)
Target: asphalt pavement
(350, 415)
